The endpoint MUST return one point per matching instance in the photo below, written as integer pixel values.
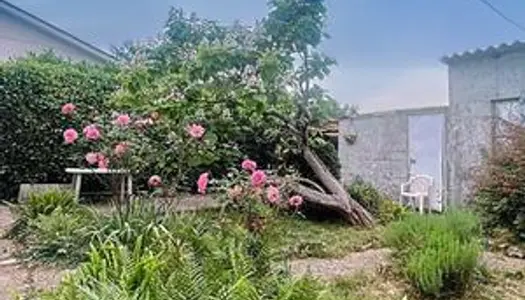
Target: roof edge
(61, 33)
(490, 51)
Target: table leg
(130, 185)
(122, 189)
(77, 179)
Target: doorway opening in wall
(426, 140)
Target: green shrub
(444, 266)
(40, 204)
(126, 224)
(61, 236)
(438, 254)
(378, 204)
(32, 90)
(501, 186)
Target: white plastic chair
(417, 189)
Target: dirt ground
(16, 276)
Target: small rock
(8, 262)
(503, 246)
(515, 252)
(366, 247)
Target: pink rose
(122, 120)
(295, 201)
(195, 131)
(155, 181)
(258, 178)
(273, 195)
(91, 132)
(249, 165)
(92, 157)
(103, 162)
(121, 148)
(70, 135)
(68, 109)
(202, 183)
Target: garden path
(17, 276)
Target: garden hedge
(32, 91)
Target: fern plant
(187, 263)
(39, 204)
(62, 236)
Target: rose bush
(128, 141)
(256, 194)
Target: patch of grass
(367, 287)
(389, 286)
(300, 238)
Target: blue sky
(387, 50)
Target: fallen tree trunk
(327, 201)
(339, 200)
(353, 211)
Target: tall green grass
(438, 253)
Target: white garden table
(126, 176)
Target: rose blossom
(249, 165)
(70, 135)
(195, 131)
(92, 157)
(91, 132)
(258, 178)
(295, 201)
(121, 148)
(103, 162)
(273, 195)
(155, 181)
(68, 109)
(202, 183)
(122, 120)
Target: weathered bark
(356, 214)
(327, 201)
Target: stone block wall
(380, 153)
(474, 85)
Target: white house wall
(18, 38)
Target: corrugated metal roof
(491, 51)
